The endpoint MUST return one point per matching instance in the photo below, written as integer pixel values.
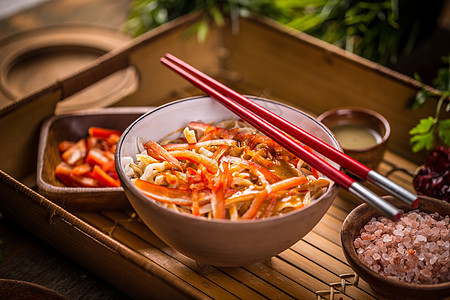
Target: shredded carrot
(227, 174)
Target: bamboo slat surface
(313, 268)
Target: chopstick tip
(415, 203)
(397, 216)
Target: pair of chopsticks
(277, 129)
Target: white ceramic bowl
(219, 242)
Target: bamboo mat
(313, 268)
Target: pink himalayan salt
(416, 249)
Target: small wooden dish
(73, 127)
(391, 289)
(361, 117)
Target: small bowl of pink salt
(408, 259)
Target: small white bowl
(219, 242)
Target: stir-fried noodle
(224, 171)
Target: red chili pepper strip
(218, 203)
(80, 170)
(209, 143)
(195, 208)
(113, 139)
(103, 178)
(278, 186)
(200, 126)
(220, 152)
(270, 206)
(219, 184)
(214, 134)
(157, 151)
(64, 145)
(96, 157)
(313, 170)
(288, 183)
(210, 164)
(62, 172)
(109, 166)
(271, 177)
(253, 209)
(84, 181)
(75, 153)
(79, 158)
(164, 194)
(102, 133)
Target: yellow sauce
(356, 136)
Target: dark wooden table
(25, 257)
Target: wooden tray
(119, 248)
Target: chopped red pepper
(82, 157)
(271, 177)
(155, 150)
(82, 169)
(196, 158)
(64, 145)
(62, 172)
(103, 178)
(102, 133)
(75, 153)
(96, 157)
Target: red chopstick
(196, 77)
(333, 154)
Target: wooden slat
(342, 202)
(320, 257)
(273, 275)
(317, 272)
(337, 213)
(118, 219)
(156, 255)
(224, 279)
(328, 233)
(297, 274)
(256, 283)
(326, 245)
(214, 274)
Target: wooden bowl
(73, 127)
(219, 242)
(372, 155)
(391, 289)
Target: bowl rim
(131, 186)
(352, 257)
(347, 109)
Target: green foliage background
(382, 31)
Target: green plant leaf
(202, 29)
(422, 141)
(442, 81)
(444, 131)
(424, 126)
(217, 15)
(421, 97)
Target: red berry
(433, 179)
